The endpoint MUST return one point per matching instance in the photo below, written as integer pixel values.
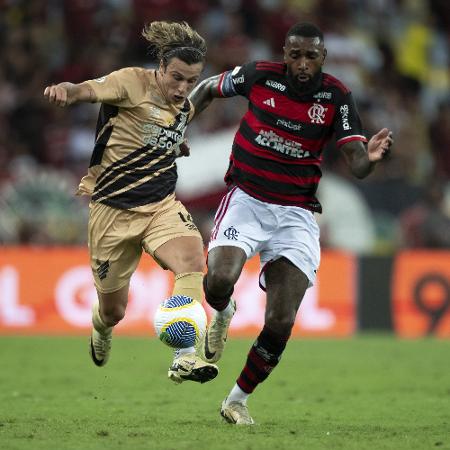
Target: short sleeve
(119, 88)
(347, 123)
(237, 81)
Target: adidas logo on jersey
(269, 102)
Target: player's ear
(284, 53)
(324, 56)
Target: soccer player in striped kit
(274, 170)
(131, 181)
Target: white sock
(237, 395)
(184, 351)
(227, 312)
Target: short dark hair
(305, 29)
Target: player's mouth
(303, 77)
(178, 98)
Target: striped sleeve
(237, 81)
(347, 123)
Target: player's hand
(184, 149)
(57, 94)
(379, 146)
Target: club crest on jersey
(231, 233)
(155, 112)
(317, 113)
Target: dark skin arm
(360, 160)
(205, 93)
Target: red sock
(264, 355)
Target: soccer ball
(180, 321)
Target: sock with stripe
(264, 355)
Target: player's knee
(220, 281)
(111, 316)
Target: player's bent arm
(65, 94)
(205, 93)
(361, 160)
(357, 159)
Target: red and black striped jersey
(277, 150)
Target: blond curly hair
(175, 39)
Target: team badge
(317, 113)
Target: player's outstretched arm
(204, 93)
(65, 94)
(361, 160)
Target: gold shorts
(116, 238)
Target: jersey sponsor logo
(317, 113)
(280, 144)
(238, 80)
(276, 85)
(344, 110)
(269, 102)
(231, 233)
(325, 95)
(288, 124)
(160, 137)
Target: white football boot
(213, 343)
(236, 413)
(100, 347)
(189, 367)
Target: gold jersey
(137, 140)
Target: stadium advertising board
(421, 294)
(50, 291)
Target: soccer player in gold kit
(131, 181)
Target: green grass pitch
(370, 392)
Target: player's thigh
(182, 254)
(174, 241)
(114, 247)
(297, 240)
(241, 221)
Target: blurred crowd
(393, 54)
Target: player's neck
(161, 85)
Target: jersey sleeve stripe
(219, 87)
(354, 137)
